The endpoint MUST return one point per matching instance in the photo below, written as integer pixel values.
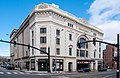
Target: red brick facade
(108, 57)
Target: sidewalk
(46, 73)
(55, 73)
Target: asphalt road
(18, 74)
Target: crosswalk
(1, 73)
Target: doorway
(70, 66)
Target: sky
(104, 14)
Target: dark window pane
(57, 32)
(70, 51)
(32, 51)
(42, 39)
(58, 51)
(82, 53)
(86, 53)
(42, 30)
(32, 42)
(70, 36)
(32, 33)
(82, 40)
(43, 49)
(57, 40)
(94, 54)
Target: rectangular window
(42, 39)
(43, 50)
(70, 36)
(99, 44)
(58, 51)
(86, 53)
(57, 40)
(100, 49)
(99, 55)
(94, 54)
(70, 25)
(32, 51)
(77, 53)
(86, 45)
(42, 30)
(32, 33)
(32, 42)
(57, 32)
(82, 53)
(70, 51)
(32, 64)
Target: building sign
(83, 62)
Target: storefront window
(57, 65)
(32, 64)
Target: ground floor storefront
(58, 64)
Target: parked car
(86, 69)
(102, 69)
(3, 65)
(10, 67)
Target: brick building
(108, 57)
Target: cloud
(105, 14)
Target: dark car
(86, 69)
(10, 67)
(4, 65)
(102, 69)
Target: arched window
(82, 51)
(84, 45)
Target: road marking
(1, 72)
(15, 72)
(8, 73)
(21, 72)
(107, 76)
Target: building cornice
(51, 9)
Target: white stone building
(49, 26)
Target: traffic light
(14, 43)
(94, 41)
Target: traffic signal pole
(117, 74)
(27, 45)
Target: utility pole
(117, 76)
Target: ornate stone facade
(49, 26)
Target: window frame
(43, 39)
(43, 30)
